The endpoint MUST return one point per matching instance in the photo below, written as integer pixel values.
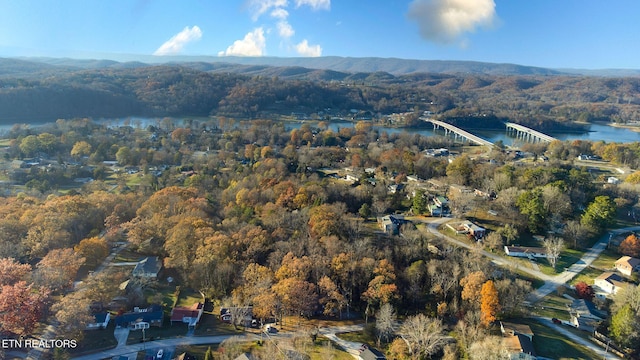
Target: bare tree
(238, 315)
(554, 247)
(489, 348)
(385, 322)
(423, 335)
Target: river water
(596, 132)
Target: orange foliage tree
(489, 303)
(630, 246)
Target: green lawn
(188, 297)
(567, 258)
(588, 275)
(551, 344)
(553, 306)
(606, 260)
(95, 340)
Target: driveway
(351, 347)
(577, 339)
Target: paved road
(351, 347)
(577, 339)
(131, 349)
(551, 282)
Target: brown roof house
(628, 265)
(518, 339)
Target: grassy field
(553, 306)
(551, 344)
(188, 297)
(588, 275)
(567, 258)
(606, 260)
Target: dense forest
(201, 89)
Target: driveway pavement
(577, 339)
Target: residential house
(439, 207)
(613, 180)
(148, 267)
(188, 315)
(390, 224)
(510, 329)
(152, 315)
(245, 356)
(526, 251)
(368, 353)
(627, 265)
(101, 321)
(520, 347)
(460, 189)
(473, 229)
(584, 315)
(610, 282)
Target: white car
(160, 354)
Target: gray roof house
(148, 267)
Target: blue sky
(591, 34)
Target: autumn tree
(489, 348)
(382, 288)
(93, 249)
(58, 268)
(460, 170)
(298, 296)
(471, 287)
(81, 148)
(73, 315)
(11, 271)
(21, 307)
(630, 246)
(584, 291)
(489, 303)
(331, 299)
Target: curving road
(551, 282)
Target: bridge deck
(527, 130)
(469, 136)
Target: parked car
(160, 354)
(556, 321)
(270, 329)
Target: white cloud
(177, 42)
(253, 44)
(259, 7)
(284, 29)
(444, 21)
(315, 4)
(304, 49)
(279, 13)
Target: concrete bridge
(526, 134)
(457, 132)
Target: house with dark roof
(148, 267)
(390, 224)
(152, 315)
(584, 315)
(101, 320)
(518, 339)
(369, 353)
(610, 282)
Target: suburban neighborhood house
(610, 282)
(518, 339)
(467, 227)
(627, 265)
(390, 224)
(584, 315)
(526, 251)
(148, 268)
(152, 315)
(101, 321)
(188, 315)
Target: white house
(627, 265)
(526, 251)
(610, 282)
